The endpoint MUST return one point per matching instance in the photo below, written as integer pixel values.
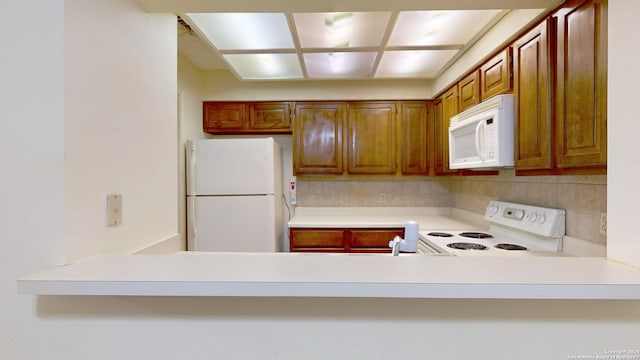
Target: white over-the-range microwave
(482, 137)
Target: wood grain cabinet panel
(373, 240)
(413, 143)
(372, 138)
(446, 107)
(246, 117)
(358, 240)
(469, 89)
(533, 76)
(317, 138)
(223, 116)
(270, 117)
(495, 75)
(316, 240)
(581, 101)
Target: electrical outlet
(382, 198)
(603, 223)
(114, 209)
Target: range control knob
(541, 219)
(492, 209)
(533, 217)
(519, 214)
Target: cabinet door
(495, 75)
(321, 240)
(317, 138)
(413, 138)
(581, 107)
(445, 109)
(270, 117)
(223, 116)
(469, 89)
(372, 138)
(532, 58)
(372, 240)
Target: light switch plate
(114, 209)
(603, 223)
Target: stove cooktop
(483, 243)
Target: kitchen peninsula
(338, 275)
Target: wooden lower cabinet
(360, 240)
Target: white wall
(32, 193)
(33, 235)
(222, 85)
(120, 126)
(623, 126)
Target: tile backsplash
(354, 192)
(584, 197)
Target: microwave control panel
(488, 144)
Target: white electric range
(515, 230)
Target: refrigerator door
(234, 223)
(233, 166)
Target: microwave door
(463, 151)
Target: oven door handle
(479, 140)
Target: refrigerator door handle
(191, 185)
(192, 239)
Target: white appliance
(234, 195)
(482, 137)
(515, 230)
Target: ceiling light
(417, 64)
(265, 66)
(336, 30)
(340, 64)
(456, 27)
(245, 31)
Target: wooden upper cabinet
(446, 107)
(469, 89)
(413, 143)
(223, 116)
(581, 99)
(271, 117)
(372, 138)
(317, 138)
(246, 117)
(533, 57)
(495, 75)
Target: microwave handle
(479, 140)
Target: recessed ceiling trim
(259, 51)
(473, 40)
(419, 50)
(296, 42)
(340, 50)
(385, 40)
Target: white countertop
(339, 275)
(428, 218)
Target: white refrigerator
(234, 195)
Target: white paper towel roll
(411, 231)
